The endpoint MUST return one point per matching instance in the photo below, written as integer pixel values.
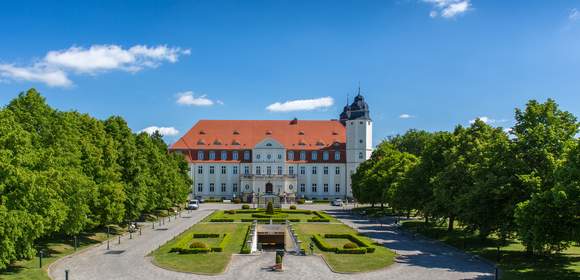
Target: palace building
(311, 159)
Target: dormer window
(319, 143)
(202, 132)
(268, 132)
(201, 142)
(334, 133)
(235, 142)
(236, 132)
(217, 142)
(268, 144)
(301, 143)
(300, 132)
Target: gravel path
(419, 259)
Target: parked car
(336, 202)
(200, 199)
(193, 204)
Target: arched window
(224, 155)
(314, 155)
(325, 155)
(291, 155)
(302, 155)
(246, 155)
(200, 155)
(235, 155)
(360, 155)
(211, 155)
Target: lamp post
(40, 255)
(108, 241)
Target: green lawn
(210, 263)
(29, 269)
(514, 261)
(345, 263)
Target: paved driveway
(419, 259)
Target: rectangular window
(211, 169)
(199, 169)
(200, 155)
(224, 170)
(235, 188)
(291, 170)
(313, 170)
(290, 155)
(314, 188)
(211, 155)
(314, 155)
(246, 170)
(235, 170)
(302, 170)
(325, 188)
(279, 170)
(337, 188)
(258, 170)
(269, 170)
(337, 170)
(325, 155)
(325, 170)
(224, 155)
(223, 187)
(200, 187)
(246, 155)
(302, 155)
(336, 155)
(360, 155)
(211, 187)
(235, 155)
(302, 187)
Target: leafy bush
(245, 206)
(278, 259)
(231, 212)
(292, 207)
(198, 244)
(350, 245)
(318, 220)
(270, 208)
(236, 200)
(300, 201)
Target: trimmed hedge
(245, 248)
(318, 220)
(322, 245)
(274, 220)
(369, 248)
(292, 207)
(357, 251)
(249, 211)
(206, 235)
(222, 244)
(245, 206)
(299, 211)
(191, 250)
(221, 220)
(273, 216)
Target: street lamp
(40, 255)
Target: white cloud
(448, 8)
(406, 116)
(488, 120)
(574, 14)
(100, 58)
(165, 131)
(36, 73)
(301, 105)
(189, 99)
(56, 66)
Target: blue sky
(171, 63)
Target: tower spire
(358, 87)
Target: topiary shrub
(349, 245)
(236, 200)
(245, 206)
(278, 259)
(300, 201)
(198, 245)
(292, 207)
(270, 208)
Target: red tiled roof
(245, 134)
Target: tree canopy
(67, 172)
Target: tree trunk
(451, 222)
(408, 214)
(382, 206)
(426, 218)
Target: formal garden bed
(221, 240)
(277, 216)
(329, 240)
